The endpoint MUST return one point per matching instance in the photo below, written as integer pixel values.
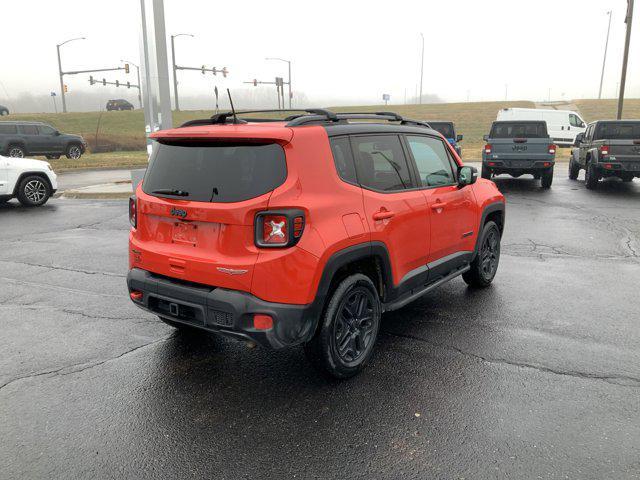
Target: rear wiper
(167, 191)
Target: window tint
(432, 160)
(215, 172)
(29, 129)
(618, 130)
(46, 130)
(574, 121)
(519, 130)
(343, 158)
(8, 129)
(380, 163)
(444, 128)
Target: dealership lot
(536, 377)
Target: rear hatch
(519, 142)
(623, 140)
(197, 204)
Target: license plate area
(179, 311)
(520, 163)
(185, 233)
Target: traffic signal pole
(623, 78)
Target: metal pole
(604, 60)
(55, 105)
(139, 86)
(289, 62)
(175, 77)
(623, 77)
(64, 103)
(421, 67)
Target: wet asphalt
(537, 376)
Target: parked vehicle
(448, 131)
(32, 182)
(3, 111)
(519, 148)
(19, 139)
(119, 104)
(609, 148)
(563, 125)
(305, 231)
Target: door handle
(438, 205)
(383, 215)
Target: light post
(138, 72)
(604, 60)
(289, 78)
(421, 67)
(175, 70)
(61, 73)
(625, 58)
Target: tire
(485, 265)
(4, 112)
(591, 177)
(627, 178)
(16, 151)
(574, 170)
(33, 191)
(74, 151)
(485, 172)
(348, 329)
(53, 157)
(546, 179)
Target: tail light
(487, 149)
(278, 229)
(604, 150)
(133, 212)
(552, 149)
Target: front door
(396, 211)
(32, 140)
(48, 139)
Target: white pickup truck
(32, 182)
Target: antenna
(235, 118)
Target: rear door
(623, 139)
(31, 138)
(395, 209)
(452, 208)
(517, 144)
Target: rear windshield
(214, 172)
(519, 130)
(446, 129)
(618, 131)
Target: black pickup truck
(519, 148)
(608, 148)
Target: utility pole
(61, 73)
(623, 77)
(421, 67)
(138, 72)
(604, 60)
(175, 69)
(289, 78)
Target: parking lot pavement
(536, 377)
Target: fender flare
(490, 208)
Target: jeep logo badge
(178, 213)
(519, 148)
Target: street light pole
(139, 86)
(61, 73)
(175, 69)
(289, 82)
(623, 77)
(604, 60)
(421, 67)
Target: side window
(29, 129)
(575, 121)
(380, 163)
(343, 158)
(46, 130)
(8, 129)
(432, 161)
(589, 132)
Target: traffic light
(117, 83)
(126, 68)
(224, 72)
(204, 67)
(214, 70)
(128, 84)
(91, 81)
(255, 82)
(66, 89)
(104, 81)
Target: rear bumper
(615, 166)
(518, 164)
(219, 310)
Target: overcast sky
(342, 51)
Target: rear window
(8, 129)
(519, 130)
(618, 131)
(444, 128)
(214, 172)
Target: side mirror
(56, 133)
(467, 176)
(579, 138)
(459, 138)
(485, 138)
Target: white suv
(32, 182)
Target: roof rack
(304, 117)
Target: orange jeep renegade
(305, 230)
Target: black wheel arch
(17, 143)
(494, 212)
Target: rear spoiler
(229, 132)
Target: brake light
(604, 150)
(552, 149)
(262, 322)
(487, 149)
(281, 228)
(133, 212)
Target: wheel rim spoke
(354, 326)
